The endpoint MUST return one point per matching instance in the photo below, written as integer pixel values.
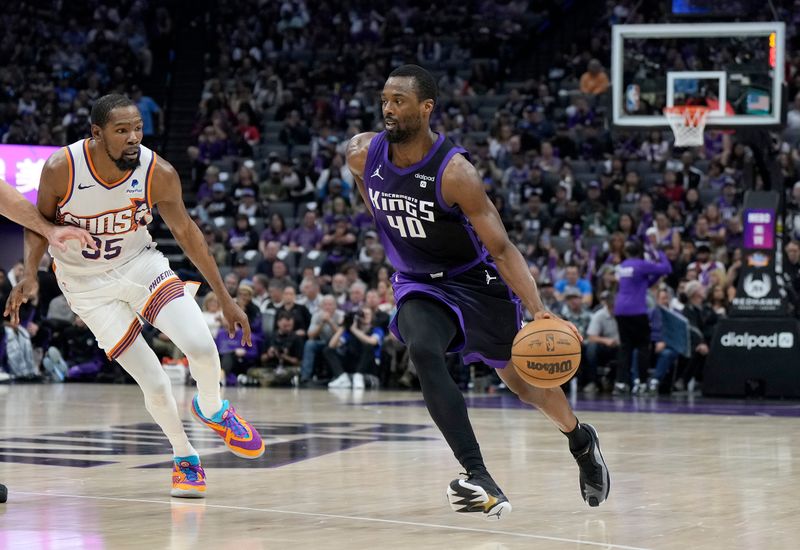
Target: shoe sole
(187, 493)
(477, 495)
(593, 501)
(231, 449)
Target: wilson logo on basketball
(551, 368)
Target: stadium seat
(562, 244)
(708, 196)
(285, 209)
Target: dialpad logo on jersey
(750, 341)
(425, 179)
(145, 446)
(410, 212)
(113, 222)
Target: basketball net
(687, 123)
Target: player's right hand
(62, 233)
(233, 316)
(544, 314)
(20, 294)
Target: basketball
(546, 353)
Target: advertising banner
(758, 293)
(21, 166)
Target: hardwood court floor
(86, 468)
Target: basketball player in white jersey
(108, 185)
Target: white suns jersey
(115, 213)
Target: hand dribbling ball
(546, 353)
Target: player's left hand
(549, 315)
(234, 317)
(58, 236)
(20, 294)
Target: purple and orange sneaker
(239, 435)
(188, 478)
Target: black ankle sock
(578, 438)
(473, 464)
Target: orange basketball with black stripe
(546, 353)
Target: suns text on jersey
(113, 222)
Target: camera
(349, 317)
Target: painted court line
(335, 516)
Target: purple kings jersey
(422, 235)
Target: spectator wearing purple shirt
(309, 235)
(213, 144)
(704, 265)
(728, 203)
(635, 275)
(734, 234)
(241, 236)
(338, 209)
(210, 177)
(235, 358)
(356, 297)
(276, 231)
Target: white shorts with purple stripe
(114, 304)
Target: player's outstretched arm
(167, 194)
(461, 185)
(357, 149)
(17, 209)
(53, 185)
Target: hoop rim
(680, 109)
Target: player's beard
(122, 163)
(402, 132)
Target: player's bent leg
(188, 478)
(141, 363)
(428, 328)
(595, 481)
(182, 320)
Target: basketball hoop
(687, 123)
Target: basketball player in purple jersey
(459, 282)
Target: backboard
(733, 68)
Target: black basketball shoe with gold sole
(595, 480)
(478, 494)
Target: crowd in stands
(288, 83)
(58, 58)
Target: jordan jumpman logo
(489, 278)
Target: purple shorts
(489, 314)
